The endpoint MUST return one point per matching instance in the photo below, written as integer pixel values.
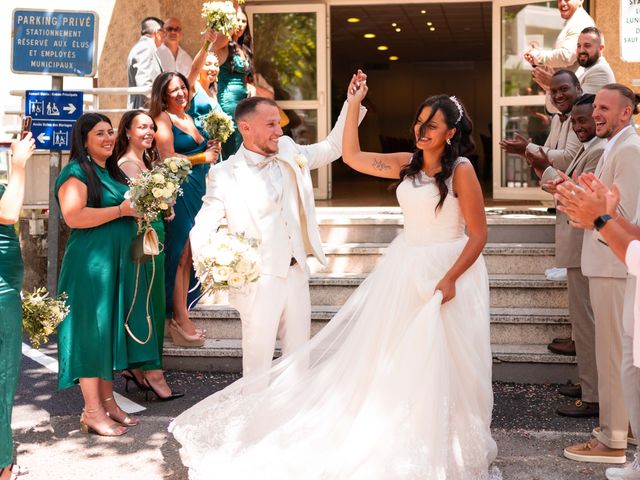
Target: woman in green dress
(135, 151)
(203, 82)
(99, 278)
(178, 135)
(11, 268)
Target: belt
(293, 262)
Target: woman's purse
(145, 246)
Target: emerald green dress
(232, 88)
(11, 269)
(99, 278)
(158, 298)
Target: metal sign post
(53, 230)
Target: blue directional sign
(54, 42)
(53, 113)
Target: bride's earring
(448, 141)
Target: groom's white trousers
(279, 307)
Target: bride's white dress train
(396, 386)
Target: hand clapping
(585, 202)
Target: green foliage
(42, 314)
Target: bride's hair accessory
(457, 103)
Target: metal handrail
(97, 91)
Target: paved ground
(529, 435)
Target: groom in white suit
(265, 192)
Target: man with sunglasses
(172, 56)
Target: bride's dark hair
(455, 116)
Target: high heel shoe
(172, 396)
(129, 376)
(182, 339)
(125, 420)
(15, 471)
(114, 431)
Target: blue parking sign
(54, 113)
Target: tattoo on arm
(380, 165)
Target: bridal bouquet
(228, 260)
(221, 17)
(42, 314)
(218, 125)
(153, 192)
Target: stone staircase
(527, 310)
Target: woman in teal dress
(11, 269)
(135, 152)
(236, 71)
(100, 278)
(178, 135)
(203, 80)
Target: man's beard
(589, 62)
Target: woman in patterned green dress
(135, 152)
(99, 278)
(11, 268)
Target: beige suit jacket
(595, 77)
(568, 239)
(561, 145)
(622, 167)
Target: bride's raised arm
(385, 165)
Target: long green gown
(11, 269)
(158, 299)
(232, 88)
(186, 208)
(99, 277)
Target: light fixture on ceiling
(423, 12)
(429, 24)
(398, 29)
(383, 48)
(369, 35)
(432, 29)
(394, 58)
(353, 20)
(394, 24)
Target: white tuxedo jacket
(237, 193)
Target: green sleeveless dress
(186, 208)
(99, 277)
(232, 88)
(201, 104)
(11, 270)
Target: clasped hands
(586, 200)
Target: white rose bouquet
(42, 314)
(218, 125)
(228, 260)
(221, 17)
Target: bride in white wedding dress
(398, 384)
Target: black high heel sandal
(129, 376)
(173, 395)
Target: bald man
(173, 57)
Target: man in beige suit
(568, 251)
(594, 71)
(620, 164)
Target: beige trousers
(607, 300)
(583, 333)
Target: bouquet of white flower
(42, 314)
(153, 192)
(228, 260)
(218, 125)
(221, 17)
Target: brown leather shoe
(568, 348)
(570, 390)
(561, 340)
(595, 452)
(579, 409)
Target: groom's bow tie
(266, 161)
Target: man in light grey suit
(568, 252)
(594, 71)
(143, 62)
(620, 164)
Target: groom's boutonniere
(301, 160)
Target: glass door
(290, 53)
(518, 104)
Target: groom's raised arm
(210, 216)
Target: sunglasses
(173, 29)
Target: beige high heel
(127, 421)
(182, 339)
(114, 431)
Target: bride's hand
(448, 289)
(357, 89)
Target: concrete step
(508, 325)
(340, 225)
(526, 364)
(509, 258)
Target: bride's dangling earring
(449, 141)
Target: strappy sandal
(16, 471)
(127, 421)
(115, 430)
(130, 376)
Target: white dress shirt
(181, 63)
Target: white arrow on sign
(70, 108)
(43, 138)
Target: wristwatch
(601, 221)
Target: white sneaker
(630, 472)
(556, 274)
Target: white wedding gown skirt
(396, 386)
